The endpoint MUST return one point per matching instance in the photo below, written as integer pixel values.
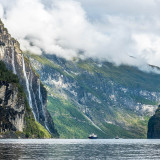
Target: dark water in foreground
(79, 149)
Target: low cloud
(115, 30)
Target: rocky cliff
(16, 117)
(154, 126)
(12, 108)
(12, 56)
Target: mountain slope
(90, 96)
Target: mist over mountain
(107, 30)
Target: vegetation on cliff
(6, 75)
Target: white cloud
(112, 30)
(1, 11)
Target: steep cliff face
(88, 96)
(154, 126)
(12, 56)
(12, 108)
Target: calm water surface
(79, 149)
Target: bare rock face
(12, 56)
(12, 108)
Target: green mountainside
(88, 96)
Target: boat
(117, 137)
(92, 136)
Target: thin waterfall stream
(27, 85)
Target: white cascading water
(13, 62)
(40, 98)
(27, 85)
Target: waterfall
(40, 98)
(13, 62)
(27, 85)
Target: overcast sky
(113, 30)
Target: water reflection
(79, 149)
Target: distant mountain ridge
(88, 96)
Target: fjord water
(71, 149)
